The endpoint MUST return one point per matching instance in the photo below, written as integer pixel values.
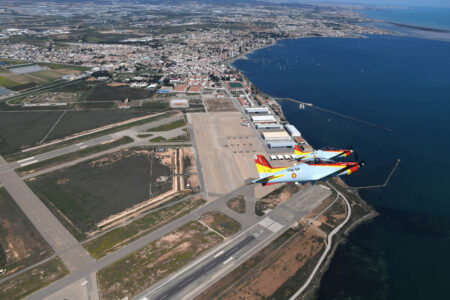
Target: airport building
(292, 130)
(268, 126)
(264, 119)
(276, 135)
(280, 144)
(257, 110)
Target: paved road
(203, 272)
(94, 266)
(63, 243)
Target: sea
(397, 82)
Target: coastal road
(196, 277)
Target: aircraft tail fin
(263, 166)
(298, 150)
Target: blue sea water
(401, 83)
(432, 17)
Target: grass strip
(22, 155)
(157, 139)
(72, 156)
(34, 279)
(121, 236)
(170, 126)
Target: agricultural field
(24, 77)
(20, 130)
(237, 204)
(221, 223)
(21, 245)
(126, 234)
(132, 274)
(87, 193)
(32, 280)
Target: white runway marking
(266, 222)
(25, 159)
(84, 282)
(218, 254)
(83, 146)
(275, 227)
(228, 260)
(29, 163)
(79, 144)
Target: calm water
(421, 16)
(400, 83)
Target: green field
(139, 270)
(32, 280)
(72, 156)
(130, 232)
(93, 190)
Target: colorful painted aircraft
(322, 154)
(302, 172)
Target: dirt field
(32, 280)
(50, 97)
(132, 274)
(237, 204)
(221, 223)
(85, 194)
(219, 104)
(278, 196)
(190, 169)
(277, 271)
(21, 245)
(226, 150)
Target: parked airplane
(308, 171)
(323, 154)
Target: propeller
(361, 163)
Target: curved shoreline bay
(400, 83)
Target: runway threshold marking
(228, 260)
(218, 254)
(25, 159)
(29, 163)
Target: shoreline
(357, 218)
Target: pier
(387, 179)
(337, 114)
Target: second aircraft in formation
(313, 166)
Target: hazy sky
(425, 3)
